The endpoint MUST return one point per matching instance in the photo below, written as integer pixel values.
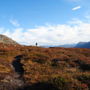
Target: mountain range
(83, 45)
(8, 41)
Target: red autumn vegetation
(31, 68)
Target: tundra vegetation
(38, 68)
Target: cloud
(76, 8)
(14, 22)
(73, 32)
(87, 15)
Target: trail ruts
(18, 66)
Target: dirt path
(18, 66)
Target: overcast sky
(48, 22)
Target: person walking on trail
(36, 43)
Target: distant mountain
(6, 40)
(83, 45)
(65, 45)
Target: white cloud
(14, 22)
(76, 8)
(73, 32)
(87, 15)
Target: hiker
(36, 43)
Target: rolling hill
(6, 40)
(83, 45)
(37, 68)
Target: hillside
(36, 68)
(6, 40)
(83, 45)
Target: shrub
(84, 78)
(59, 82)
(41, 58)
(57, 63)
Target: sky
(47, 22)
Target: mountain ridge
(6, 40)
(83, 45)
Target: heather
(29, 68)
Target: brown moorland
(38, 68)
